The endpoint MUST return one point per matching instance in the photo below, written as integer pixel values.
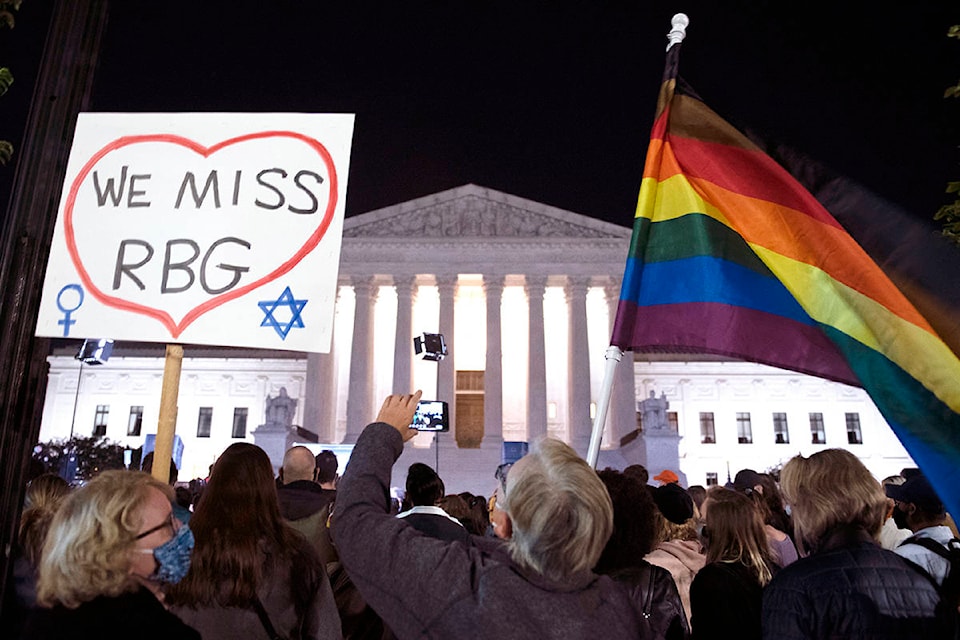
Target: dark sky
(553, 101)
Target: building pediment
(471, 211)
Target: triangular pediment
(472, 211)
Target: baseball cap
(916, 490)
(666, 476)
(746, 479)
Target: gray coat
(428, 588)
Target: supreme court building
(524, 295)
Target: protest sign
(200, 228)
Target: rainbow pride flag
(732, 256)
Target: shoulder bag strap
(931, 545)
(265, 619)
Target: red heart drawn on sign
(176, 328)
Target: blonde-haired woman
(847, 586)
(726, 594)
(111, 547)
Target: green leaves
(6, 79)
(6, 152)
(949, 214)
(91, 455)
(7, 7)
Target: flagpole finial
(679, 22)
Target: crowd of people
(557, 550)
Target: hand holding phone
(397, 411)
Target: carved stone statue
(280, 409)
(654, 412)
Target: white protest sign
(202, 228)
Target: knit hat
(674, 502)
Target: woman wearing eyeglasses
(111, 549)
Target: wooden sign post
(167, 424)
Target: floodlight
(431, 345)
(95, 351)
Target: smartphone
(431, 415)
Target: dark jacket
(130, 615)
(654, 590)
(849, 588)
(303, 498)
(428, 588)
(436, 526)
(725, 602)
(306, 506)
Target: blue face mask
(173, 557)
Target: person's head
(897, 479)
(734, 533)
(560, 511)
(829, 489)
(698, 494)
(146, 465)
(674, 503)
(918, 504)
(499, 521)
(327, 466)
(637, 471)
(633, 522)
(241, 536)
(678, 505)
(455, 506)
(241, 494)
(747, 481)
(298, 464)
(478, 517)
(44, 495)
(103, 537)
(751, 484)
(424, 487)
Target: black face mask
(899, 518)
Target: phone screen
(431, 415)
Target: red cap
(666, 476)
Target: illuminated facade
(524, 294)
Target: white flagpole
(613, 355)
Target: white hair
(561, 512)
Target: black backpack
(948, 610)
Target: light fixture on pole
(92, 352)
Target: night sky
(551, 101)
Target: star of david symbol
(286, 299)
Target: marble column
(320, 390)
(360, 410)
(446, 372)
(403, 342)
(537, 367)
(578, 371)
(493, 367)
(622, 412)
